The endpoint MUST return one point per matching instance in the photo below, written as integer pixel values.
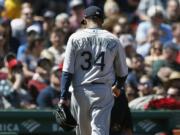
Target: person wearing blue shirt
(156, 20)
(23, 47)
(49, 97)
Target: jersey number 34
(89, 61)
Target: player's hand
(64, 102)
(116, 91)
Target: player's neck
(92, 25)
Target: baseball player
(94, 61)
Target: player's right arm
(67, 73)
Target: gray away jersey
(94, 55)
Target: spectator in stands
(120, 25)
(18, 97)
(117, 24)
(129, 8)
(129, 46)
(176, 33)
(173, 11)
(76, 11)
(117, 30)
(14, 69)
(57, 48)
(26, 5)
(48, 24)
(173, 80)
(4, 104)
(144, 5)
(49, 17)
(156, 16)
(130, 93)
(62, 22)
(163, 67)
(154, 54)
(145, 94)
(110, 24)
(12, 42)
(31, 32)
(111, 8)
(19, 25)
(145, 86)
(176, 39)
(124, 23)
(173, 92)
(138, 70)
(40, 79)
(48, 55)
(32, 55)
(49, 97)
(152, 36)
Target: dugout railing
(42, 122)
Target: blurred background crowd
(34, 34)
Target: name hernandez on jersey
(94, 41)
(91, 55)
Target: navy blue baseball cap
(93, 11)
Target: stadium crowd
(33, 37)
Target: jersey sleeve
(120, 65)
(69, 60)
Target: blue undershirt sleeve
(65, 83)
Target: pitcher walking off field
(94, 61)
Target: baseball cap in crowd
(174, 75)
(49, 14)
(62, 16)
(35, 27)
(92, 11)
(47, 54)
(14, 63)
(75, 3)
(155, 11)
(127, 40)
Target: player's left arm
(119, 85)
